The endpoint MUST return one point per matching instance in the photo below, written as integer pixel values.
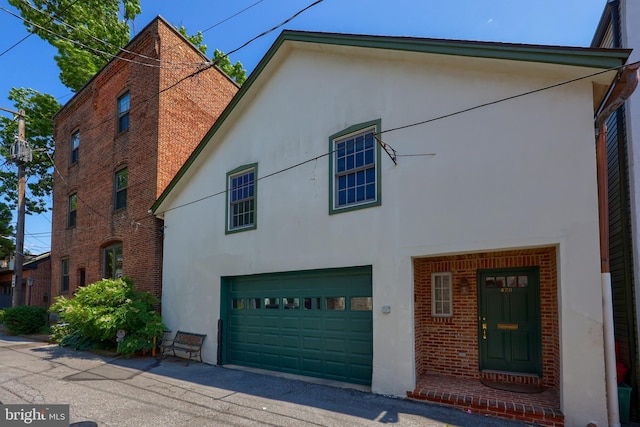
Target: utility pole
(20, 154)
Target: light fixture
(30, 281)
(464, 286)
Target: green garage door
(315, 323)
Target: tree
(86, 33)
(39, 109)
(6, 232)
(235, 71)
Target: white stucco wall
(515, 174)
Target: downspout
(631, 74)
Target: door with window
(509, 320)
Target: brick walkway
(471, 395)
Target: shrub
(99, 310)
(1, 316)
(24, 319)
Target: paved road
(104, 390)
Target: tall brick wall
(155, 146)
(39, 294)
(450, 345)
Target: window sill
(240, 230)
(350, 208)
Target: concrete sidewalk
(111, 391)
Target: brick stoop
(470, 394)
(511, 378)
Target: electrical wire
(94, 50)
(30, 34)
(99, 40)
(288, 168)
(203, 68)
(232, 16)
(497, 101)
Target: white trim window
(441, 295)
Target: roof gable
(598, 59)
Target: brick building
(119, 141)
(36, 281)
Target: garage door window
(291, 303)
(272, 303)
(312, 304)
(335, 303)
(253, 303)
(361, 304)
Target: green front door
(509, 320)
(316, 323)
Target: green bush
(1, 316)
(99, 310)
(24, 319)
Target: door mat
(514, 387)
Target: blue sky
(553, 22)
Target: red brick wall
(41, 274)
(155, 146)
(441, 341)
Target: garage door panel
(311, 366)
(271, 360)
(312, 323)
(291, 323)
(333, 345)
(358, 324)
(311, 343)
(290, 341)
(253, 338)
(290, 363)
(335, 368)
(360, 348)
(251, 321)
(360, 371)
(334, 324)
(313, 327)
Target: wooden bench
(186, 342)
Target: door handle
(484, 331)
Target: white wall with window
(459, 186)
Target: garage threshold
(313, 380)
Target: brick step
(527, 413)
(511, 377)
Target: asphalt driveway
(104, 390)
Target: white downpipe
(610, 352)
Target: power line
(264, 33)
(94, 50)
(288, 168)
(99, 40)
(486, 104)
(30, 34)
(15, 44)
(205, 67)
(232, 16)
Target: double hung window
(242, 198)
(355, 170)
